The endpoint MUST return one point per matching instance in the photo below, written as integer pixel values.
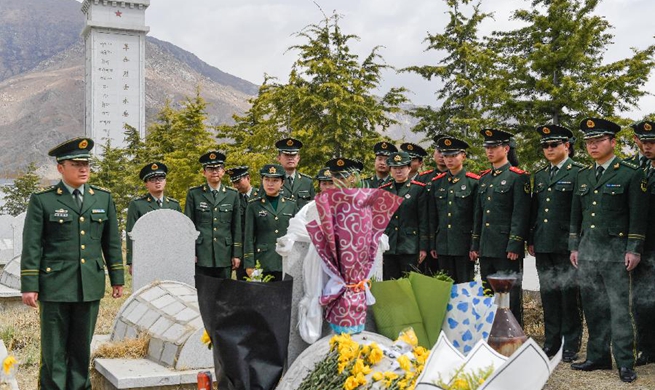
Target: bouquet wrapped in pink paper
(346, 237)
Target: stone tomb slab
(164, 248)
(17, 225)
(6, 239)
(144, 373)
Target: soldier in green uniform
(417, 154)
(550, 217)
(154, 177)
(502, 218)
(644, 274)
(606, 240)
(437, 157)
(215, 211)
(267, 219)
(452, 197)
(382, 151)
(324, 178)
(70, 237)
(638, 158)
(408, 228)
(297, 186)
(240, 179)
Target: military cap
(324, 174)
(77, 149)
(343, 167)
(436, 139)
(596, 127)
(288, 146)
(154, 169)
(272, 170)
(554, 133)
(213, 158)
(450, 145)
(414, 151)
(493, 137)
(399, 159)
(644, 130)
(384, 148)
(237, 173)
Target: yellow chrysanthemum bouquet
(350, 365)
(8, 373)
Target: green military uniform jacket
(451, 202)
(138, 208)
(649, 243)
(607, 217)
(375, 182)
(219, 223)
(503, 212)
(264, 226)
(408, 228)
(66, 250)
(550, 214)
(302, 190)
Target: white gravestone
(164, 245)
(6, 239)
(17, 225)
(114, 35)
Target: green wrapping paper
(432, 296)
(395, 309)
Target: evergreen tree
(328, 103)
(557, 72)
(17, 195)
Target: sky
(248, 38)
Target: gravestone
(10, 295)
(163, 248)
(17, 225)
(6, 239)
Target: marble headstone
(163, 248)
(17, 225)
(6, 238)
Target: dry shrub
(125, 349)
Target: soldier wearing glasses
(216, 212)
(154, 177)
(502, 215)
(606, 241)
(644, 274)
(550, 216)
(70, 237)
(452, 197)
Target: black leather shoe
(569, 356)
(550, 352)
(644, 359)
(588, 365)
(627, 374)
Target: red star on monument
(119, 14)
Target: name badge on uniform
(62, 213)
(263, 213)
(98, 211)
(563, 182)
(613, 185)
(203, 205)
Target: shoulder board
(472, 175)
(518, 170)
(172, 200)
(386, 185)
(195, 187)
(231, 188)
(586, 167)
(43, 191)
(426, 172)
(542, 168)
(485, 172)
(439, 176)
(577, 164)
(100, 188)
(289, 199)
(418, 183)
(254, 199)
(307, 176)
(629, 164)
(144, 196)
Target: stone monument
(6, 239)
(163, 249)
(17, 225)
(114, 36)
